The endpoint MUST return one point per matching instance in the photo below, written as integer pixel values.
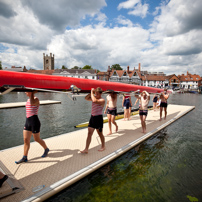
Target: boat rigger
(43, 177)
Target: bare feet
(84, 151)
(165, 118)
(160, 119)
(101, 149)
(109, 133)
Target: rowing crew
(32, 125)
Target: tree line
(115, 66)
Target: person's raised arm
(148, 96)
(95, 100)
(88, 97)
(34, 100)
(106, 106)
(136, 101)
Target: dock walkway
(22, 104)
(65, 164)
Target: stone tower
(48, 62)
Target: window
(124, 74)
(46, 61)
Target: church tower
(48, 62)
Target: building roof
(41, 71)
(151, 77)
(128, 73)
(189, 77)
(75, 71)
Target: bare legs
(27, 136)
(154, 106)
(143, 123)
(88, 140)
(165, 111)
(111, 119)
(126, 114)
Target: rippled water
(166, 167)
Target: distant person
(126, 103)
(158, 103)
(96, 120)
(164, 97)
(155, 98)
(144, 98)
(111, 110)
(32, 126)
(3, 178)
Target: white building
(190, 81)
(77, 73)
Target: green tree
(0, 65)
(116, 67)
(76, 67)
(87, 67)
(63, 67)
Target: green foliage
(0, 65)
(87, 67)
(116, 67)
(192, 199)
(63, 67)
(76, 67)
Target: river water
(166, 167)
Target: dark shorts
(164, 104)
(143, 112)
(96, 122)
(126, 104)
(155, 99)
(32, 124)
(112, 111)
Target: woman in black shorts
(32, 126)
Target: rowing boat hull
(59, 83)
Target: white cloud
(58, 14)
(123, 21)
(128, 4)
(138, 9)
(172, 44)
(100, 46)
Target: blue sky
(161, 35)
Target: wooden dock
(22, 104)
(65, 164)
